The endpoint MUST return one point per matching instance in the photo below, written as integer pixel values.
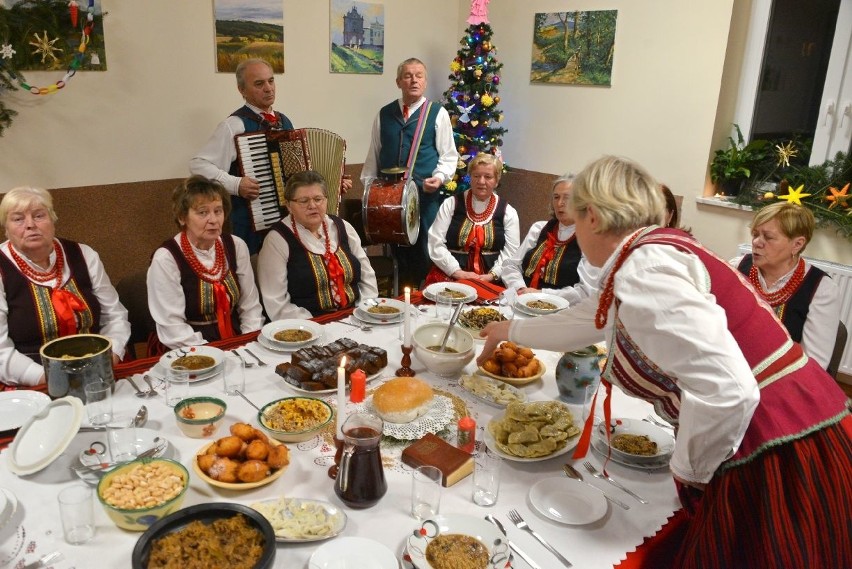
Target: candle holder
(405, 370)
(338, 445)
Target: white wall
(160, 99)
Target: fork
(260, 362)
(242, 359)
(45, 560)
(519, 522)
(594, 472)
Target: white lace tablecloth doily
(438, 417)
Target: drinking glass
(234, 376)
(177, 385)
(76, 511)
(425, 492)
(98, 402)
(443, 306)
(486, 477)
(122, 442)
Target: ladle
(453, 319)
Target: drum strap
(418, 138)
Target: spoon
(151, 391)
(249, 401)
(453, 319)
(139, 393)
(572, 472)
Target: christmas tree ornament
(784, 153)
(794, 195)
(476, 95)
(6, 51)
(838, 197)
(44, 47)
(486, 45)
(478, 73)
(497, 102)
(496, 80)
(73, 10)
(486, 100)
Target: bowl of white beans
(139, 493)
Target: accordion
(270, 157)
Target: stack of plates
(267, 334)
(380, 311)
(477, 528)
(665, 444)
(522, 304)
(169, 358)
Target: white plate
(439, 416)
(353, 553)
(289, 508)
(491, 443)
(298, 389)
(263, 341)
(496, 385)
(359, 317)
(521, 303)
(45, 435)
(18, 406)
(478, 528)
(433, 289)
(473, 330)
(10, 506)
(665, 441)
(363, 310)
(98, 451)
(600, 448)
(567, 501)
(268, 332)
(199, 374)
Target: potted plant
(732, 167)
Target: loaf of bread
(314, 368)
(403, 399)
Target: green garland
(825, 189)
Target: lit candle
(341, 396)
(407, 320)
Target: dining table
(35, 529)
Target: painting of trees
(573, 47)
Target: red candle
(358, 388)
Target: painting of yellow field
(574, 48)
(357, 37)
(248, 29)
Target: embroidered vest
(396, 136)
(794, 312)
(460, 228)
(796, 395)
(32, 319)
(307, 277)
(561, 270)
(200, 312)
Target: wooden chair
(133, 294)
(839, 346)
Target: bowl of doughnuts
(294, 419)
(457, 354)
(513, 364)
(246, 459)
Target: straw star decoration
(785, 152)
(45, 47)
(794, 195)
(838, 196)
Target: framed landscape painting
(574, 48)
(357, 37)
(248, 29)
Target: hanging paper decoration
(73, 9)
(6, 51)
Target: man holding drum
(415, 134)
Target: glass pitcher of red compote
(360, 481)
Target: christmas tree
(472, 97)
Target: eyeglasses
(317, 200)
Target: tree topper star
(6, 51)
(45, 47)
(838, 196)
(794, 195)
(785, 152)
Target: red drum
(391, 212)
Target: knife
(513, 547)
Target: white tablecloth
(36, 530)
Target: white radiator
(842, 276)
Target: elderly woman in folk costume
(312, 263)
(50, 288)
(201, 286)
(549, 258)
(803, 296)
(763, 454)
(476, 232)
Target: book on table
(432, 450)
